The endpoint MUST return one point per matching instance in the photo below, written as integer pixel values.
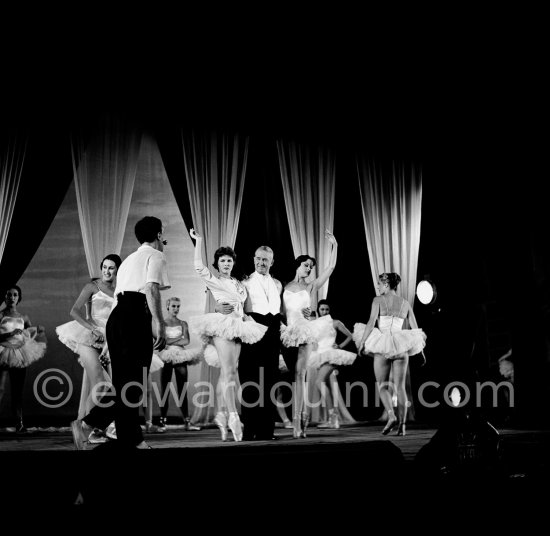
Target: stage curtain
(308, 176)
(215, 167)
(391, 201)
(104, 174)
(12, 157)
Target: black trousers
(130, 340)
(259, 368)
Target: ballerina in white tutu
(20, 345)
(85, 336)
(176, 359)
(391, 346)
(225, 332)
(326, 356)
(299, 330)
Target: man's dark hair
(147, 229)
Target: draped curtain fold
(391, 201)
(104, 175)
(104, 179)
(308, 176)
(215, 168)
(12, 157)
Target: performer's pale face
(383, 287)
(305, 268)
(174, 307)
(108, 271)
(225, 264)
(263, 261)
(324, 310)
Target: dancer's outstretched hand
(330, 237)
(194, 234)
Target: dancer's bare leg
(382, 368)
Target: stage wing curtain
(104, 179)
(12, 156)
(309, 182)
(308, 177)
(104, 175)
(391, 200)
(215, 167)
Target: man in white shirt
(259, 363)
(129, 331)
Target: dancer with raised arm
(391, 346)
(225, 332)
(299, 330)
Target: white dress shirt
(263, 295)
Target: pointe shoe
(235, 426)
(297, 427)
(221, 422)
(391, 424)
(305, 423)
(401, 430)
(287, 423)
(335, 421)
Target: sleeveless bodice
(174, 331)
(390, 324)
(9, 323)
(101, 307)
(294, 303)
(328, 337)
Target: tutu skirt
(19, 351)
(390, 344)
(176, 355)
(332, 356)
(156, 363)
(227, 327)
(72, 334)
(304, 331)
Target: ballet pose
(85, 336)
(225, 331)
(391, 346)
(328, 355)
(20, 345)
(176, 359)
(299, 330)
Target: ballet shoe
(305, 423)
(391, 424)
(401, 430)
(235, 426)
(335, 421)
(221, 422)
(297, 427)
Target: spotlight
(426, 291)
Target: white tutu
(304, 331)
(227, 327)
(73, 333)
(333, 356)
(19, 351)
(211, 356)
(176, 355)
(156, 363)
(390, 344)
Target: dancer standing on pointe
(301, 332)
(391, 346)
(328, 355)
(225, 332)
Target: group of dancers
(253, 319)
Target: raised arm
(375, 309)
(339, 326)
(199, 264)
(323, 278)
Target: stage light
(455, 397)
(426, 292)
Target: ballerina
(328, 355)
(225, 332)
(299, 330)
(391, 346)
(20, 345)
